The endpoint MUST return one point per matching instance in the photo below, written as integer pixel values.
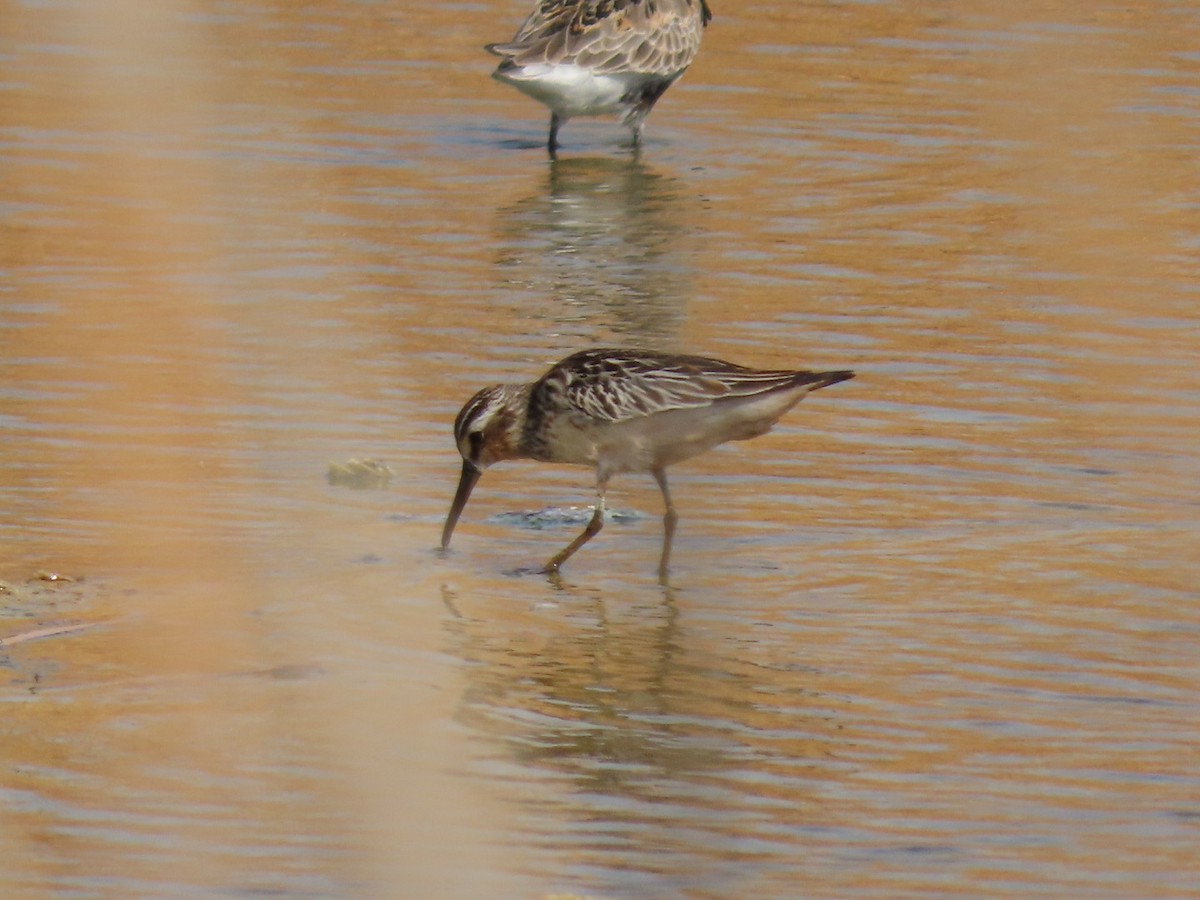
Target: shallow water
(935, 635)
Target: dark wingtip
(825, 379)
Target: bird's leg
(590, 531)
(636, 120)
(670, 517)
(552, 141)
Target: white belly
(650, 442)
(646, 443)
(570, 90)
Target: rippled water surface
(937, 634)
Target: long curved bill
(466, 484)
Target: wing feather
(615, 385)
(658, 37)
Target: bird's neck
(511, 424)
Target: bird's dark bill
(466, 484)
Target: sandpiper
(601, 57)
(622, 411)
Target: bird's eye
(475, 439)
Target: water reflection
(938, 634)
(605, 239)
(657, 724)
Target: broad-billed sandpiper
(622, 411)
(601, 57)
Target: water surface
(935, 635)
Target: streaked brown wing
(609, 35)
(615, 385)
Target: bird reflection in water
(604, 245)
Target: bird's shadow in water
(584, 147)
(563, 519)
(556, 580)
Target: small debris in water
(293, 672)
(44, 593)
(48, 631)
(53, 576)
(360, 474)
(524, 571)
(562, 516)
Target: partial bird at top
(601, 57)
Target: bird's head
(486, 431)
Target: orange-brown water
(935, 635)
